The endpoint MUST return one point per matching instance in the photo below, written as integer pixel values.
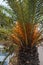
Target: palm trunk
(28, 56)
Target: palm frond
(27, 10)
(24, 9)
(39, 11)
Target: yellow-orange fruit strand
(19, 30)
(36, 34)
(15, 39)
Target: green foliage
(8, 12)
(7, 18)
(4, 33)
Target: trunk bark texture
(28, 56)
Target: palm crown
(26, 29)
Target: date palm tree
(27, 32)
